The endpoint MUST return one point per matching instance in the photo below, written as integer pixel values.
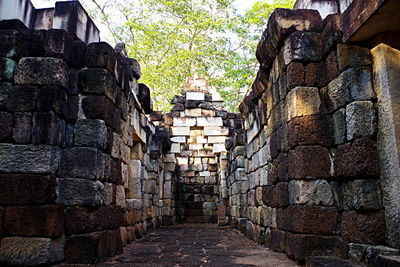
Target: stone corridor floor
(197, 245)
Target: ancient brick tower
(310, 167)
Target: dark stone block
(16, 43)
(101, 107)
(36, 98)
(5, 90)
(92, 133)
(309, 162)
(88, 248)
(276, 196)
(311, 130)
(277, 241)
(279, 170)
(295, 75)
(193, 103)
(58, 44)
(84, 220)
(41, 221)
(329, 262)
(310, 219)
(357, 159)
(145, 98)
(299, 247)
(22, 189)
(2, 232)
(100, 55)
(97, 81)
(7, 69)
(303, 46)
(22, 127)
(6, 126)
(47, 129)
(82, 162)
(364, 227)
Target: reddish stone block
(111, 245)
(20, 189)
(83, 220)
(89, 248)
(280, 168)
(295, 75)
(277, 241)
(332, 67)
(364, 227)
(276, 196)
(278, 141)
(6, 126)
(299, 247)
(309, 162)
(315, 74)
(221, 211)
(357, 159)
(101, 107)
(311, 130)
(44, 221)
(310, 219)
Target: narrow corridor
(191, 245)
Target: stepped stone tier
(310, 167)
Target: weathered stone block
(31, 250)
(5, 90)
(74, 191)
(299, 247)
(302, 101)
(279, 170)
(91, 133)
(357, 159)
(22, 127)
(33, 98)
(362, 194)
(180, 131)
(22, 189)
(82, 162)
(310, 219)
(98, 81)
(42, 71)
(216, 131)
(339, 125)
(309, 162)
(276, 196)
(282, 23)
(317, 192)
(352, 56)
(29, 158)
(209, 121)
(7, 69)
(88, 248)
(45, 221)
(352, 84)
(101, 107)
(311, 130)
(184, 122)
(303, 46)
(47, 128)
(100, 55)
(6, 126)
(295, 75)
(361, 119)
(366, 227)
(198, 96)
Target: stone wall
(304, 172)
(198, 127)
(81, 165)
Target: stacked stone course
(81, 165)
(198, 127)
(304, 174)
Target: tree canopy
(173, 40)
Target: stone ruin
(310, 166)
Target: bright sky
(241, 6)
